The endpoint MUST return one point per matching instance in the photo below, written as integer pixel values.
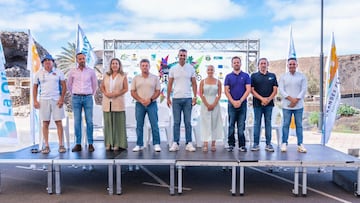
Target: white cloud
(185, 9)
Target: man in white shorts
(49, 83)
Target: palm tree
(66, 60)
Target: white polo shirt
(182, 80)
(49, 83)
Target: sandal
(213, 148)
(108, 147)
(62, 149)
(205, 148)
(46, 150)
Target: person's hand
(169, 102)
(60, 102)
(36, 104)
(193, 102)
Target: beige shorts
(48, 107)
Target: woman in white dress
(210, 114)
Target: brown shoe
(77, 148)
(91, 148)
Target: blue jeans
(298, 114)
(182, 105)
(140, 112)
(258, 112)
(238, 116)
(86, 103)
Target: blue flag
(83, 45)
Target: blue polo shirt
(237, 84)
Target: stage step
(346, 179)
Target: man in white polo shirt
(50, 84)
(182, 83)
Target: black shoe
(230, 148)
(242, 149)
(77, 148)
(91, 148)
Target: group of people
(50, 87)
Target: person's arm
(218, 97)
(194, 89)
(201, 91)
(70, 81)
(125, 87)
(169, 89)
(302, 93)
(94, 82)
(63, 92)
(246, 94)
(35, 94)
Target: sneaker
(189, 147)
(269, 148)
(301, 148)
(255, 147)
(242, 149)
(283, 147)
(137, 148)
(174, 147)
(157, 148)
(230, 148)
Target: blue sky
(54, 23)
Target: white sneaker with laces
(174, 147)
(157, 148)
(283, 147)
(301, 148)
(137, 148)
(189, 147)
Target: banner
(333, 91)
(83, 45)
(7, 123)
(33, 65)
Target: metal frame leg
(118, 179)
(172, 179)
(233, 181)
(179, 180)
(296, 181)
(50, 178)
(241, 180)
(304, 181)
(111, 179)
(57, 179)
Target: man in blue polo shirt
(237, 88)
(264, 88)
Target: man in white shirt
(50, 83)
(293, 87)
(182, 84)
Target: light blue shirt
(293, 85)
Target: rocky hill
(349, 72)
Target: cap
(47, 56)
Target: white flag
(333, 91)
(83, 45)
(7, 123)
(33, 65)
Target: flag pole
(321, 116)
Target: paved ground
(201, 184)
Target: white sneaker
(189, 147)
(283, 147)
(157, 148)
(301, 148)
(174, 147)
(137, 148)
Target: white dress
(211, 121)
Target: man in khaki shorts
(49, 82)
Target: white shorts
(49, 107)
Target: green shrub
(314, 118)
(346, 110)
